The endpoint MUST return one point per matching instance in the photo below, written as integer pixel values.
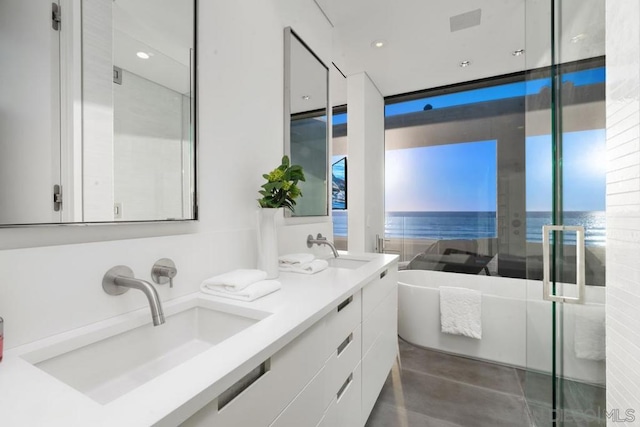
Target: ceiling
(161, 28)
(421, 51)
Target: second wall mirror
(306, 102)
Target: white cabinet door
(378, 361)
(29, 112)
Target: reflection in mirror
(137, 115)
(306, 130)
(97, 121)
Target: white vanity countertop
(31, 397)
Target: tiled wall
(623, 206)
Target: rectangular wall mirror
(306, 124)
(98, 111)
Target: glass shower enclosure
(564, 381)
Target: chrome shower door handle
(580, 264)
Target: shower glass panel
(565, 189)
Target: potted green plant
(281, 188)
(280, 191)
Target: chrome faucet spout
(119, 280)
(321, 240)
(149, 291)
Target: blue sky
(584, 180)
(452, 177)
(463, 177)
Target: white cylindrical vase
(268, 241)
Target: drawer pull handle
(345, 303)
(344, 386)
(243, 383)
(384, 273)
(345, 343)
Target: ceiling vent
(465, 20)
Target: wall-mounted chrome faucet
(321, 240)
(163, 271)
(119, 280)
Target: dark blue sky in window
(511, 90)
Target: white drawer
(375, 291)
(385, 315)
(260, 403)
(376, 365)
(306, 409)
(343, 361)
(344, 410)
(343, 319)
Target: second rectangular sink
(116, 364)
(349, 263)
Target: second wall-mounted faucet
(321, 240)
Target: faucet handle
(163, 271)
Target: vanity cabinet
(379, 336)
(328, 376)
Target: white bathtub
(516, 321)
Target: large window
(468, 173)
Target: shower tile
(388, 415)
(455, 368)
(453, 401)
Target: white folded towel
(249, 293)
(235, 280)
(461, 311)
(309, 268)
(302, 258)
(589, 333)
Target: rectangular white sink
(116, 363)
(350, 263)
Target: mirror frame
(289, 33)
(194, 77)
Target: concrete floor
(435, 389)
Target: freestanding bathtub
(516, 321)
(503, 315)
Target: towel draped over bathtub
(461, 311)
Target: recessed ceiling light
(464, 64)
(578, 38)
(518, 52)
(143, 55)
(306, 97)
(378, 44)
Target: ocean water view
(477, 225)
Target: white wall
(51, 282)
(365, 147)
(623, 205)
